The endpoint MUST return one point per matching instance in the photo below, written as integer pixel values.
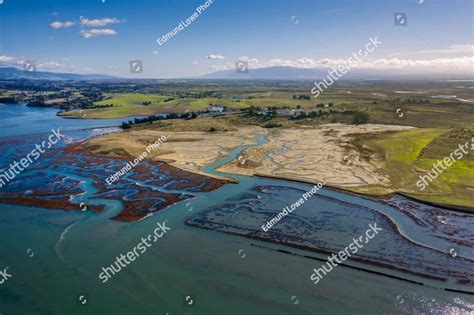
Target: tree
(125, 125)
(360, 118)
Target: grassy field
(131, 104)
(125, 99)
(410, 154)
(380, 100)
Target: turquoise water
(224, 273)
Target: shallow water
(224, 273)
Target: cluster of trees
(303, 115)
(62, 94)
(360, 118)
(255, 97)
(79, 102)
(146, 103)
(101, 106)
(93, 96)
(301, 97)
(85, 100)
(253, 111)
(412, 101)
(150, 119)
(204, 94)
(322, 105)
(462, 133)
(33, 85)
(272, 125)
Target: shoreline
(371, 197)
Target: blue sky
(301, 33)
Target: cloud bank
(459, 64)
(56, 25)
(99, 22)
(95, 32)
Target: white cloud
(227, 66)
(305, 61)
(98, 22)
(53, 65)
(195, 62)
(453, 50)
(40, 66)
(423, 64)
(378, 64)
(212, 56)
(61, 67)
(56, 25)
(460, 65)
(249, 60)
(450, 50)
(98, 32)
(5, 60)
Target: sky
(102, 36)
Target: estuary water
(19, 119)
(55, 257)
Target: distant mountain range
(269, 73)
(292, 73)
(11, 73)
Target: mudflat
(306, 154)
(322, 153)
